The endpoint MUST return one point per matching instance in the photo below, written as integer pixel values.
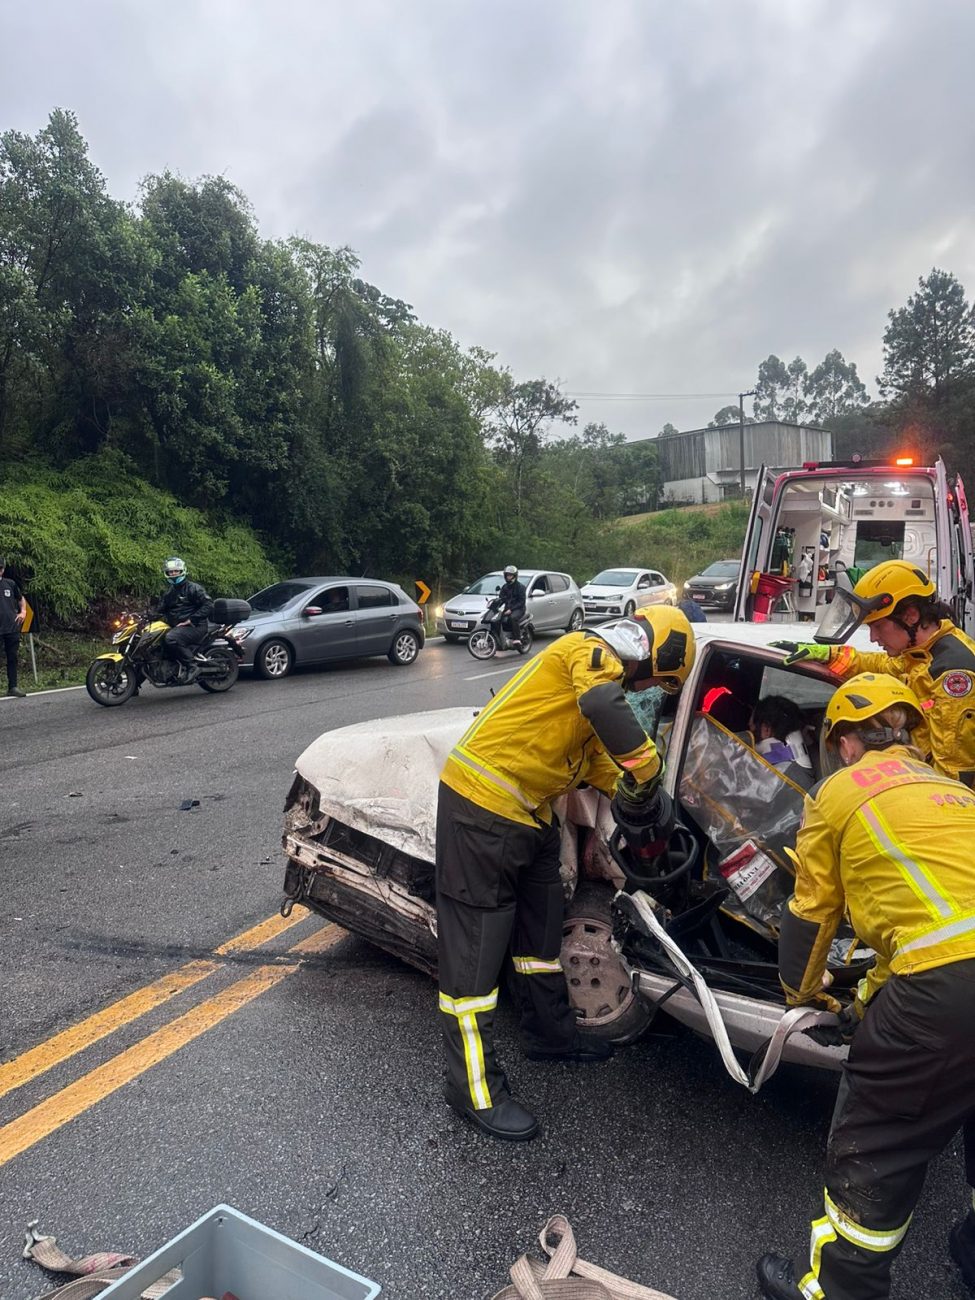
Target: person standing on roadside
(13, 611)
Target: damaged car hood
(381, 777)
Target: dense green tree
(728, 415)
(771, 389)
(517, 426)
(834, 389)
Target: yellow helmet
(875, 596)
(672, 645)
(885, 585)
(865, 696)
(655, 642)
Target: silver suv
(552, 599)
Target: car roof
(523, 573)
(341, 577)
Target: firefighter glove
(628, 791)
(841, 1033)
(799, 650)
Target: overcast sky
(632, 197)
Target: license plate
(462, 626)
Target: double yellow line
(52, 1114)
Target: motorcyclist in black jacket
(511, 599)
(186, 607)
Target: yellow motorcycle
(141, 656)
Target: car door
(327, 627)
(540, 602)
(562, 602)
(660, 592)
(643, 590)
(376, 612)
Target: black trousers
(181, 640)
(11, 644)
(907, 1088)
(498, 894)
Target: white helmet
(174, 570)
(510, 571)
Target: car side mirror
(536, 593)
(311, 611)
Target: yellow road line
(64, 1045)
(99, 1083)
(323, 939)
(262, 933)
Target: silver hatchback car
(553, 600)
(313, 620)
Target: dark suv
(716, 585)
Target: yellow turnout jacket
(888, 840)
(561, 721)
(942, 675)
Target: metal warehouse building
(705, 464)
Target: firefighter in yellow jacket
(888, 840)
(921, 646)
(560, 722)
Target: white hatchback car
(616, 592)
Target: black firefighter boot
(777, 1278)
(961, 1243)
(508, 1120)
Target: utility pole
(741, 437)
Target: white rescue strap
(765, 1060)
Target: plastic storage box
(227, 1251)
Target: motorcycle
(116, 676)
(489, 635)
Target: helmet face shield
(840, 620)
(174, 570)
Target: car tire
(599, 989)
(405, 648)
(629, 609)
(274, 660)
(576, 621)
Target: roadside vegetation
(171, 382)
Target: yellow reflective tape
(822, 1235)
(867, 1238)
(489, 710)
(478, 766)
(537, 966)
(466, 1010)
(464, 1006)
(917, 875)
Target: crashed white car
(692, 933)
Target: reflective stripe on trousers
(466, 1010)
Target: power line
(647, 397)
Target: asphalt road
(303, 1086)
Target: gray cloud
(634, 197)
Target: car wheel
(576, 621)
(405, 648)
(599, 988)
(629, 609)
(274, 660)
